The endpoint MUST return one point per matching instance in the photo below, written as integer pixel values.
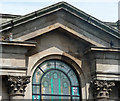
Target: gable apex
(55, 7)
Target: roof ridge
(66, 6)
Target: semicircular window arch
(54, 79)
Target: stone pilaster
(17, 85)
(102, 89)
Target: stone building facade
(59, 52)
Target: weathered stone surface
(77, 39)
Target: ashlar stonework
(58, 53)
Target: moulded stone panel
(108, 61)
(13, 56)
(105, 68)
(108, 76)
(110, 55)
(107, 65)
(13, 62)
(12, 72)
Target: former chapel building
(59, 53)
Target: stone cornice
(102, 49)
(105, 49)
(18, 43)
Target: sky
(104, 10)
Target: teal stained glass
(55, 75)
(35, 97)
(75, 91)
(46, 84)
(56, 83)
(65, 85)
(62, 66)
(36, 89)
(73, 78)
(47, 65)
(36, 76)
(52, 78)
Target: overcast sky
(105, 10)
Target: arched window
(54, 79)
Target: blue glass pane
(56, 98)
(55, 82)
(47, 65)
(75, 90)
(36, 77)
(73, 78)
(36, 89)
(62, 66)
(55, 75)
(35, 97)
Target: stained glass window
(55, 79)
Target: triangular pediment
(64, 16)
(53, 27)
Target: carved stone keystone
(102, 88)
(17, 85)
